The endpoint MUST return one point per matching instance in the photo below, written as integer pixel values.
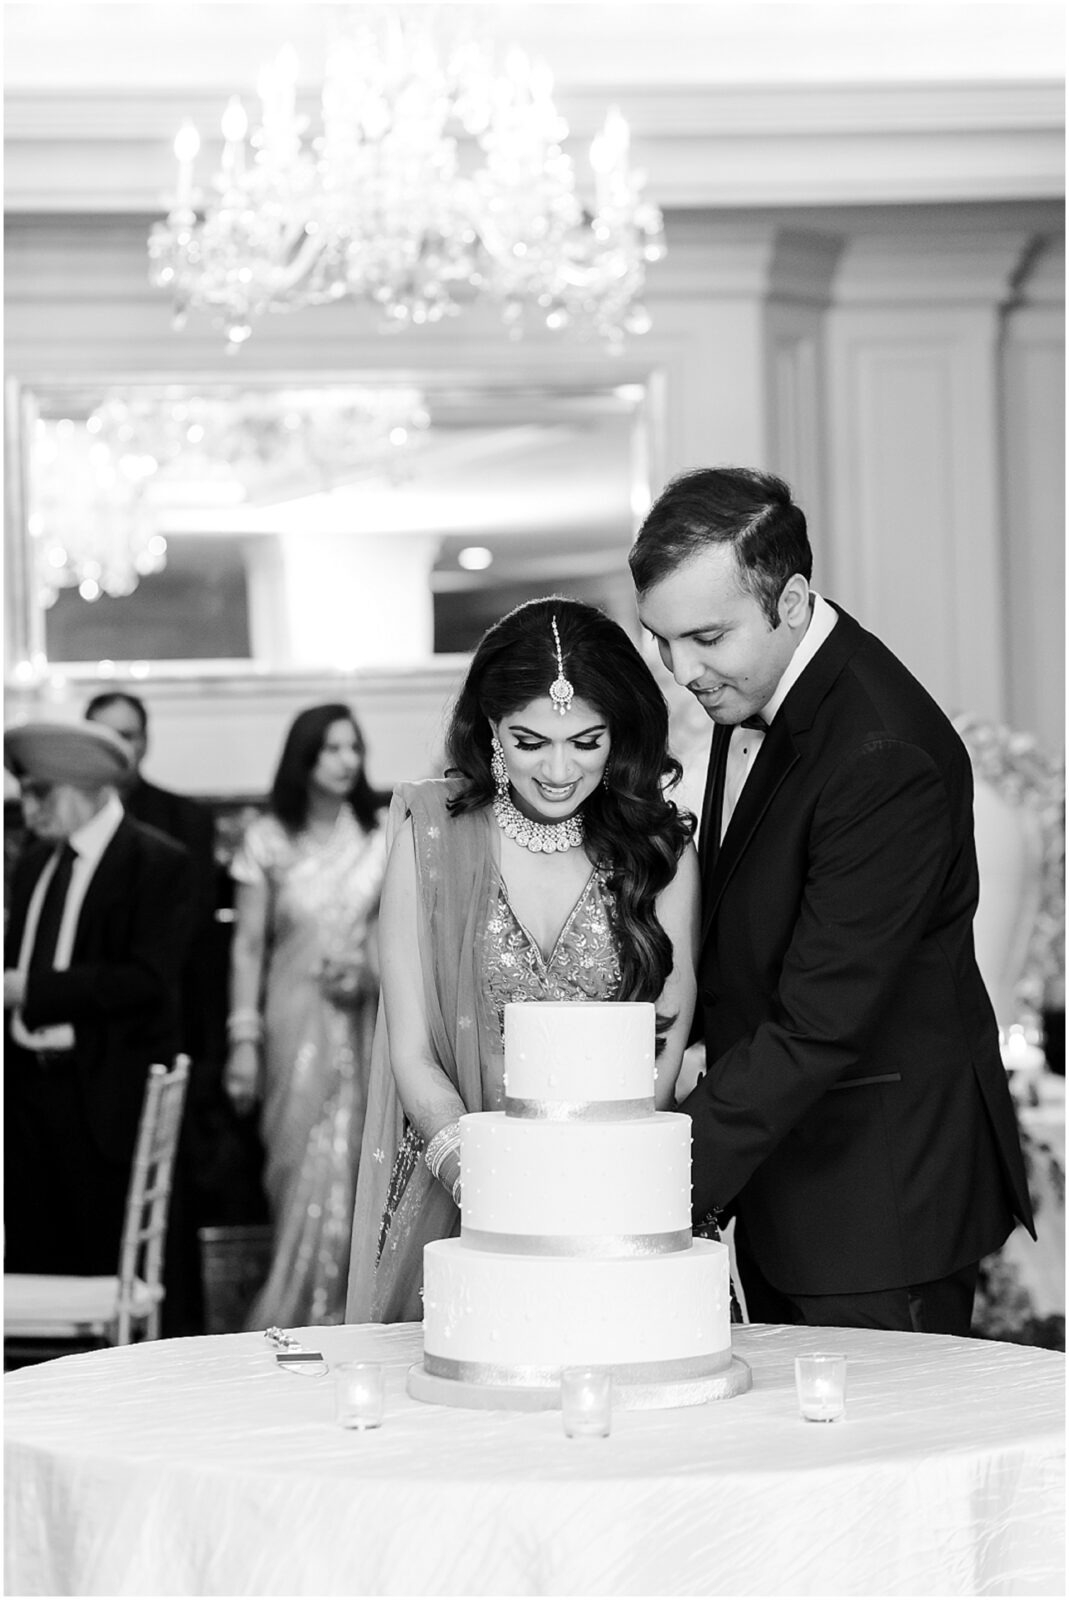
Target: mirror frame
(26, 663)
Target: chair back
(148, 1197)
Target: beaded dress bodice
(583, 964)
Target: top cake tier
(579, 1059)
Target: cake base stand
(734, 1379)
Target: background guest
(101, 909)
(304, 988)
(176, 815)
(190, 823)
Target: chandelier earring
(498, 769)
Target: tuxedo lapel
(110, 869)
(775, 759)
(778, 754)
(713, 804)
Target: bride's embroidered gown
(476, 956)
(582, 965)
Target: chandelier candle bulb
(235, 125)
(186, 146)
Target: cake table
(197, 1467)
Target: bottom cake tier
(734, 1379)
(514, 1321)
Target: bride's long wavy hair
(632, 829)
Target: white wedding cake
(575, 1245)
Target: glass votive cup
(359, 1394)
(586, 1402)
(821, 1384)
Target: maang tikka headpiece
(560, 690)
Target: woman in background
(303, 993)
(549, 864)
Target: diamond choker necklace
(537, 836)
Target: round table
(199, 1467)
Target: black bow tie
(757, 721)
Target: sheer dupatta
(455, 879)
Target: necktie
(43, 954)
(757, 722)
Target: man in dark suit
(100, 912)
(191, 824)
(176, 815)
(854, 1115)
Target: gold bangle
(445, 1141)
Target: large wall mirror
(262, 525)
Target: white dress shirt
(88, 843)
(746, 742)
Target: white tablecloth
(197, 1467)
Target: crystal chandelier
(434, 179)
(99, 485)
(89, 524)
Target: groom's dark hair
(751, 511)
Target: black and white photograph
(534, 798)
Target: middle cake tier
(576, 1188)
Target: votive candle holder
(359, 1394)
(586, 1402)
(820, 1380)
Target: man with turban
(100, 915)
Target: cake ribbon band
(592, 1244)
(490, 1372)
(579, 1110)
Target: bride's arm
(431, 1101)
(678, 911)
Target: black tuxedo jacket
(855, 1113)
(190, 823)
(121, 990)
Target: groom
(854, 1114)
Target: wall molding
(738, 144)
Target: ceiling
(217, 45)
(763, 102)
(774, 103)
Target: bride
(547, 865)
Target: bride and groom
(854, 1115)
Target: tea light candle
(586, 1402)
(821, 1384)
(359, 1393)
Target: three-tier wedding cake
(575, 1247)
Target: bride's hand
(241, 1078)
(344, 982)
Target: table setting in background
(1021, 1294)
(224, 1465)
